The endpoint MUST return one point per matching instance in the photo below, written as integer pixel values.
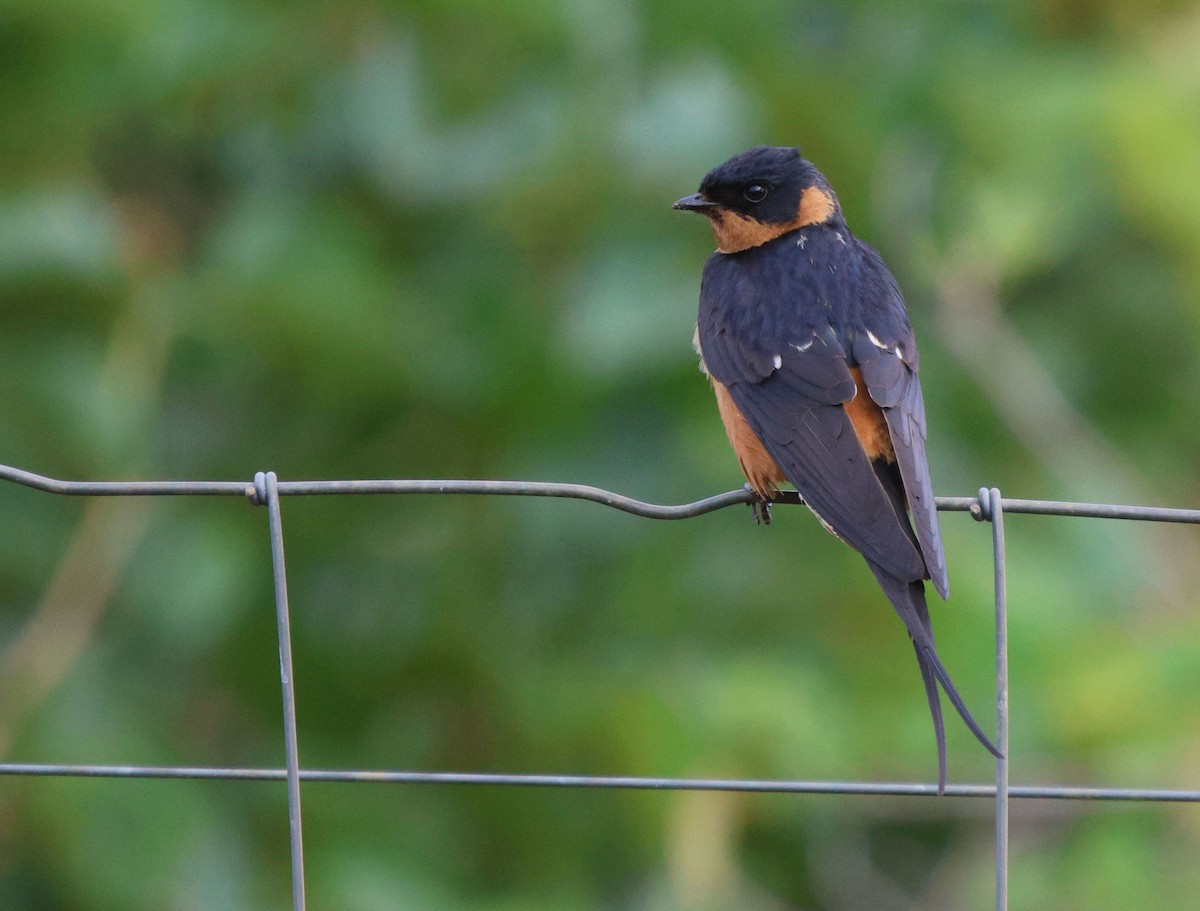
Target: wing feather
(889, 369)
(796, 410)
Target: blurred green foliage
(423, 239)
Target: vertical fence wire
(266, 488)
(996, 514)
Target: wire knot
(981, 510)
(257, 492)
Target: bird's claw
(760, 508)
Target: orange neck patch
(735, 232)
(816, 207)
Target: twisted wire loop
(266, 490)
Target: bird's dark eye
(756, 192)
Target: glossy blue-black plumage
(808, 300)
(781, 325)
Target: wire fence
(267, 490)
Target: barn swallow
(803, 332)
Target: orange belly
(762, 471)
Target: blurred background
(427, 240)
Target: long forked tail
(908, 598)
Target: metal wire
(995, 512)
(602, 782)
(550, 489)
(266, 487)
(618, 783)
(266, 490)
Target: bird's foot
(760, 508)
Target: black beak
(697, 202)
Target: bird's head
(760, 194)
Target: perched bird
(802, 331)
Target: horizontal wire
(527, 489)
(892, 789)
(551, 489)
(125, 488)
(1080, 510)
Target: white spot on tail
(778, 361)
